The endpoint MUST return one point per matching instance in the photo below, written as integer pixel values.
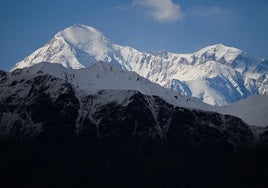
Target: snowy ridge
(226, 74)
(107, 76)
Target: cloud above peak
(161, 10)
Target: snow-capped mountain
(75, 47)
(217, 74)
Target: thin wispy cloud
(161, 10)
(217, 14)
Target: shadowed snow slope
(253, 110)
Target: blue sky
(178, 26)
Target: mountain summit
(217, 74)
(75, 47)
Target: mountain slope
(54, 131)
(34, 99)
(107, 76)
(103, 76)
(48, 100)
(217, 74)
(252, 110)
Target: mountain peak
(78, 34)
(220, 51)
(219, 48)
(220, 45)
(74, 47)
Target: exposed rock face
(50, 108)
(37, 113)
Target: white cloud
(162, 10)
